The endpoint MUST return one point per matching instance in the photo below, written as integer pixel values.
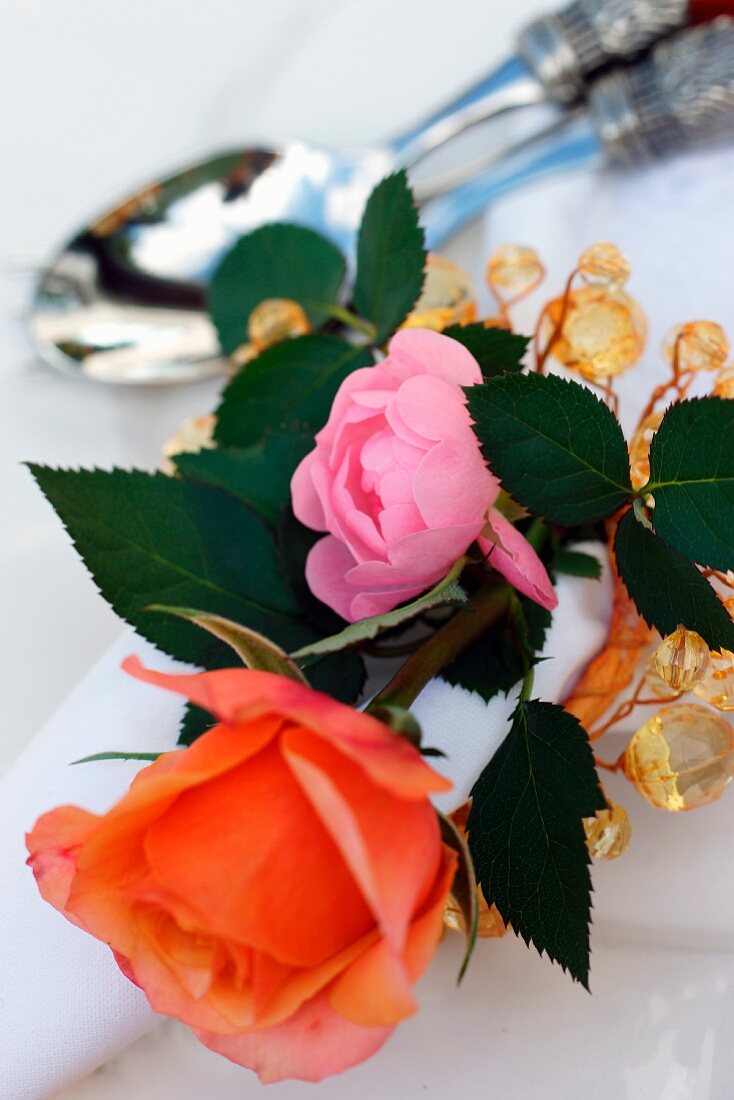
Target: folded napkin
(68, 1006)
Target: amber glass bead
(682, 659)
(717, 686)
(604, 266)
(724, 384)
(682, 758)
(608, 834)
(657, 687)
(702, 346)
(192, 435)
(448, 297)
(513, 271)
(275, 320)
(639, 449)
(603, 334)
(490, 923)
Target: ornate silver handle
(564, 49)
(681, 96)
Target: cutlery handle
(681, 96)
(565, 48)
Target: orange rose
(279, 886)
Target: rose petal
(400, 520)
(327, 565)
(239, 696)
(53, 844)
(435, 549)
(313, 1044)
(433, 409)
(421, 351)
(518, 562)
(361, 993)
(452, 485)
(232, 839)
(307, 505)
(392, 848)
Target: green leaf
(150, 756)
(500, 658)
(496, 350)
(252, 648)
(447, 591)
(574, 563)
(464, 887)
(390, 256)
(194, 723)
(291, 385)
(667, 588)
(274, 261)
(692, 480)
(150, 539)
(259, 475)
(555, 446)
(526, 834)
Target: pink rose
(398, 481)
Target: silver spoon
(124, 299)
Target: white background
(97, 95)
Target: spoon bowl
(124, 299)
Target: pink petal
(453, 486)
(313, 1044)
(516, 560)
(378, 602)
(307, 505)
(420, 351)
(432, 408)
(431, 553)
(402, 430)
(327, 566)
(400, 520)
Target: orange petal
(313, 1044)
(376, 989)
(427, 929)
(54, 844)
(391, 846)
(240, 695)
(248, 852)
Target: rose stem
(487, 606)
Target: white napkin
(64, 1006)
(68, 1006)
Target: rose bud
(398, 481)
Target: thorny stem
(488, 605)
